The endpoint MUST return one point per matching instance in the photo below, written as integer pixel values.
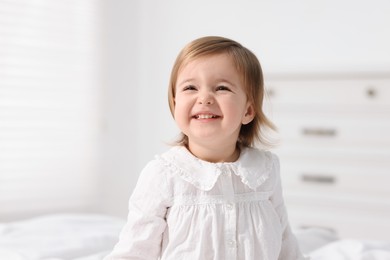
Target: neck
(228, 153)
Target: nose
(205, 102)
(205, 99)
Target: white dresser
(334, 150)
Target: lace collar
(253, 167)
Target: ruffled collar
(253, 167)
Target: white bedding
(66, 236)
(91, 237)
(323, 244)
(353, 250)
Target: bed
(92, 236)
(59, 236)
(324, 244)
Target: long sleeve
(141, 237)
(290, 247)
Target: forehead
(207, 57)
(219, 64)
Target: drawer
(335, 129)
(325, 151)
(340, 179)
(356, 224)
(367, 92)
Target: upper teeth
(204, 116)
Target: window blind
(49, 105)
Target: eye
(222, 87)
(189, 87)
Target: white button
(231, 243)
(229, 206)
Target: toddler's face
(210, 102)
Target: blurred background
(83, 84)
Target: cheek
(180, 111)
(236, 108)
(182, 102)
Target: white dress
(187, 208)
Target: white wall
(144, 37)
(120, 104)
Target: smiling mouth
(202, 116)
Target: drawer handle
(371, 92)
(329, 229)
(321, 179)
(270, 92)
(323, 132)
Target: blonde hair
(252, 77)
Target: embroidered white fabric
(186, 208)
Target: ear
(249, 114)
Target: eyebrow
(185, 81)
(217, 80)
(225, 80)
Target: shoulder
(257, 167)
(162, 164)
(153, 179)
(154, 170)
(259, 159)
